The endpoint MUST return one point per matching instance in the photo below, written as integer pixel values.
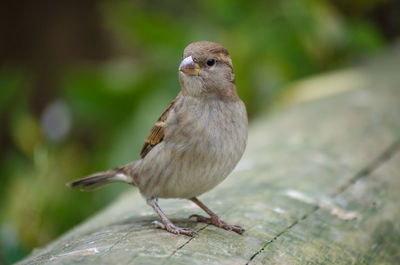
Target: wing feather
(156, 134)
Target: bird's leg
(214, 218)
(166, 223)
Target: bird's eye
(211, 62)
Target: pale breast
(203, 142)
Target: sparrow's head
(206, 70)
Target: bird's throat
(191, 85)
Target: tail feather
(100, 179)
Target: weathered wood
(318, 184)
(372, 238)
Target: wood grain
(318, 184)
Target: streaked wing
(156, 134)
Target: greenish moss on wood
(317, 185)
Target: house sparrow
(196, 142)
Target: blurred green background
(82, 82)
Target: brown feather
(156, 134)
(99, 179)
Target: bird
(196, 142)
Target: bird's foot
(215, 220)
(170, 227)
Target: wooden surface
(318, 184)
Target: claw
(158, 225)
(174, 229)
(197, 217)
(215, 220)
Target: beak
(189, 67)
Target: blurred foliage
(97, 112)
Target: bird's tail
(100, 179)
